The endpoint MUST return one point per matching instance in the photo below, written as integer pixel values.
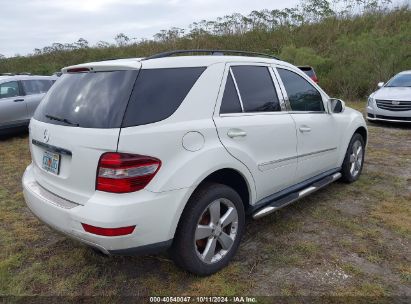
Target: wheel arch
(363, 132)
(233, 179)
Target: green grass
(361, 230)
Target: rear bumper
(155, 216)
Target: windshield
(400, 80)
(88, 100)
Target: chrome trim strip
(51, 148)
(51, 198)
(252, 114)
(317, 152)
(389, 120)
(294, 157)
(276, 161)
(238, 91)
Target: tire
(190, 253)
(353, 160)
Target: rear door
(35, 89)
(13, 111)
(254, 128)
(78, 120)
(317, 132)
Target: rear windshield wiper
(51, 117)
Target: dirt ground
(345, 240)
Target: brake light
(314, 78)
(78, 70)
(122, 172)
(108, 231)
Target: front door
(317, 132)
(255, 129)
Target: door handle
(236, 133)
(305, 129)
(18, 100)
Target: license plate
(51, 162)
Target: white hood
(393, 93)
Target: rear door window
(256, 88)
(36, 86)
(88, 100)
(301, 94)
(158, 93)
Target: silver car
(19, 97)
(392, 101)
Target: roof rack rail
(213, 52)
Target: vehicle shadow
(15, 133)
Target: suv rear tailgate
(76, 178)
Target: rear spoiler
(100, 66)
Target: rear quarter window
(158, 93)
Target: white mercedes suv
(140, 155)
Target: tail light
(122, 173)
(314, 78)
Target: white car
(392, 102)
(140, 155)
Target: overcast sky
(29, 24)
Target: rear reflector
(108, 231)
(122, 172)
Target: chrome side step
(292, 197)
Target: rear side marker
(108, 231)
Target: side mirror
(336, 105)
(380, 84)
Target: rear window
(88, 100)
(158, 93)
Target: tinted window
(158, 93)
(256, 89)
(36, 86)
(90, 100)
(230, 102)
(9, 89)
(401, 80)
(301, 94)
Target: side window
(45, 85)
(256, 88)
(36, 86)
(9, 89)
(230, 102)
(301, 94)
(30, 87)
(158, 93)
